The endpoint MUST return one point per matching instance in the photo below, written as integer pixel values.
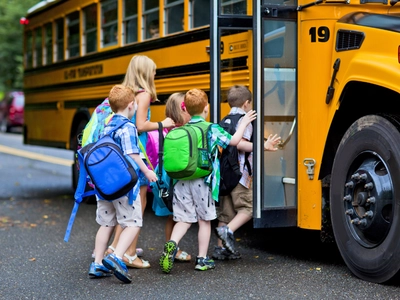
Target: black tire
(365, 198)
(75, 167)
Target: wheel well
(358, 99)
(81, 114)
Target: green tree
(11, 42)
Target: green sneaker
(168, 256)
(204, 263)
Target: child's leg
(179, 231)
(117, 233)
(102, 237)
(169, 225)
(131, 250)
(204, 237)
(238, 221)
(126, 238)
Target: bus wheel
(75, 146)
(75, 167)
(365, 198)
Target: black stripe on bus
(239, 63)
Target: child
(111, 213)
(176, 110)
(236, 209)
(194, 199)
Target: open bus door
(272, 62)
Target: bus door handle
(283, 142)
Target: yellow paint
(36, 156)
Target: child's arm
(150, 175)
(245, 146)
(247, 119)
(142, 124)
(269, 145)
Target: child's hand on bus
(151, 176)
(250, 116)
(168, 123)
(272, 142)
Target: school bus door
(272, 67)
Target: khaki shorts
(239, 200)
(111, 213)
(192, 201)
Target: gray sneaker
(222, 254)
(227, 238)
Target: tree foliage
(11, 42)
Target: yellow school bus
(324, 76)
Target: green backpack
(186, 153)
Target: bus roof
(41, 5)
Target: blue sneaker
(115, 264)
(168, 256)
(97, 271)
(204, 263)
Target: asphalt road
(35, 263)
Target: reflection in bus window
(174, 16)
(130, 21)
(90, 29)
(201, 12)
(59, 50)
(150, 18)
(28, 47)
(109, 22)
(38, 47)
(73, 35)
(274, 42)
(233, 7)
(48, 44)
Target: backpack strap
(235, 118)
(79, 195)
(160, 150)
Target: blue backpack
(109, 170)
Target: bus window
(174, 16)
(73, 35)
(201, 12)
(28, 49)
(150, 19)
(90, 28)
(59, 51)
(109, 22)
(38, 47)
(233, 7)
(130, 21)
(48, 44)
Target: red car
(12, 111)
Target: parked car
(12, 111)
